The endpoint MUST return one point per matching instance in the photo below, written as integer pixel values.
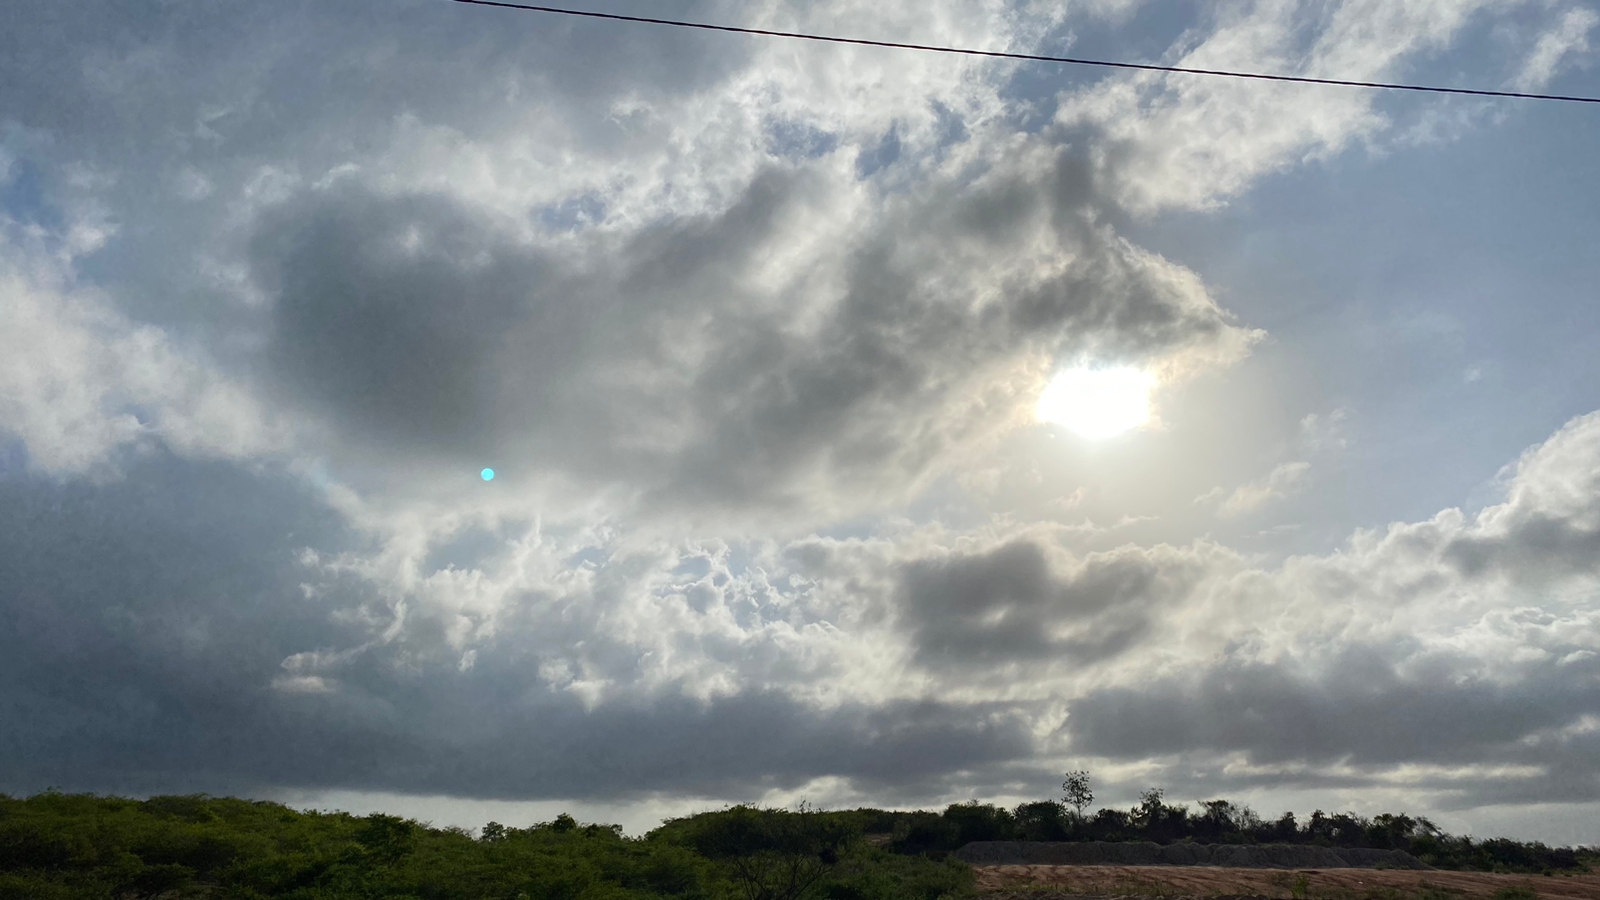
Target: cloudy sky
(868, 426)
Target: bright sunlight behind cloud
(1098, 403)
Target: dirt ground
(1083, 882)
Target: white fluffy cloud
(1459, 641)
(79, 381)
(1415, 657)
(1569, 36)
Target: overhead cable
(1029, 57)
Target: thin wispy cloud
(1283, 481)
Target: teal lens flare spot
(488, 474)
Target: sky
(868, 427)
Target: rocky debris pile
(1145, 853)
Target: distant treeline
(1215, 822)
(78, 847)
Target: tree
(388, 838)
(771, 854)
(1076, 789)
(1151, 809)
(1043, 820)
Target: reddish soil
(1083, 882)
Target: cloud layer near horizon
(729, 319)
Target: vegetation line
(57, 846)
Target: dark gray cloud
(142, 610)
(144, 628)
(1007, 606)
(1363, 708)
(391, 314)
(424, 326)
(1361, 717)
(473, 737)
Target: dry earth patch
(1037, 882)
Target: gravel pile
(1144, 853)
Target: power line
(1149, 67)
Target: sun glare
(1098, 403)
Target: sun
(1097, 403)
